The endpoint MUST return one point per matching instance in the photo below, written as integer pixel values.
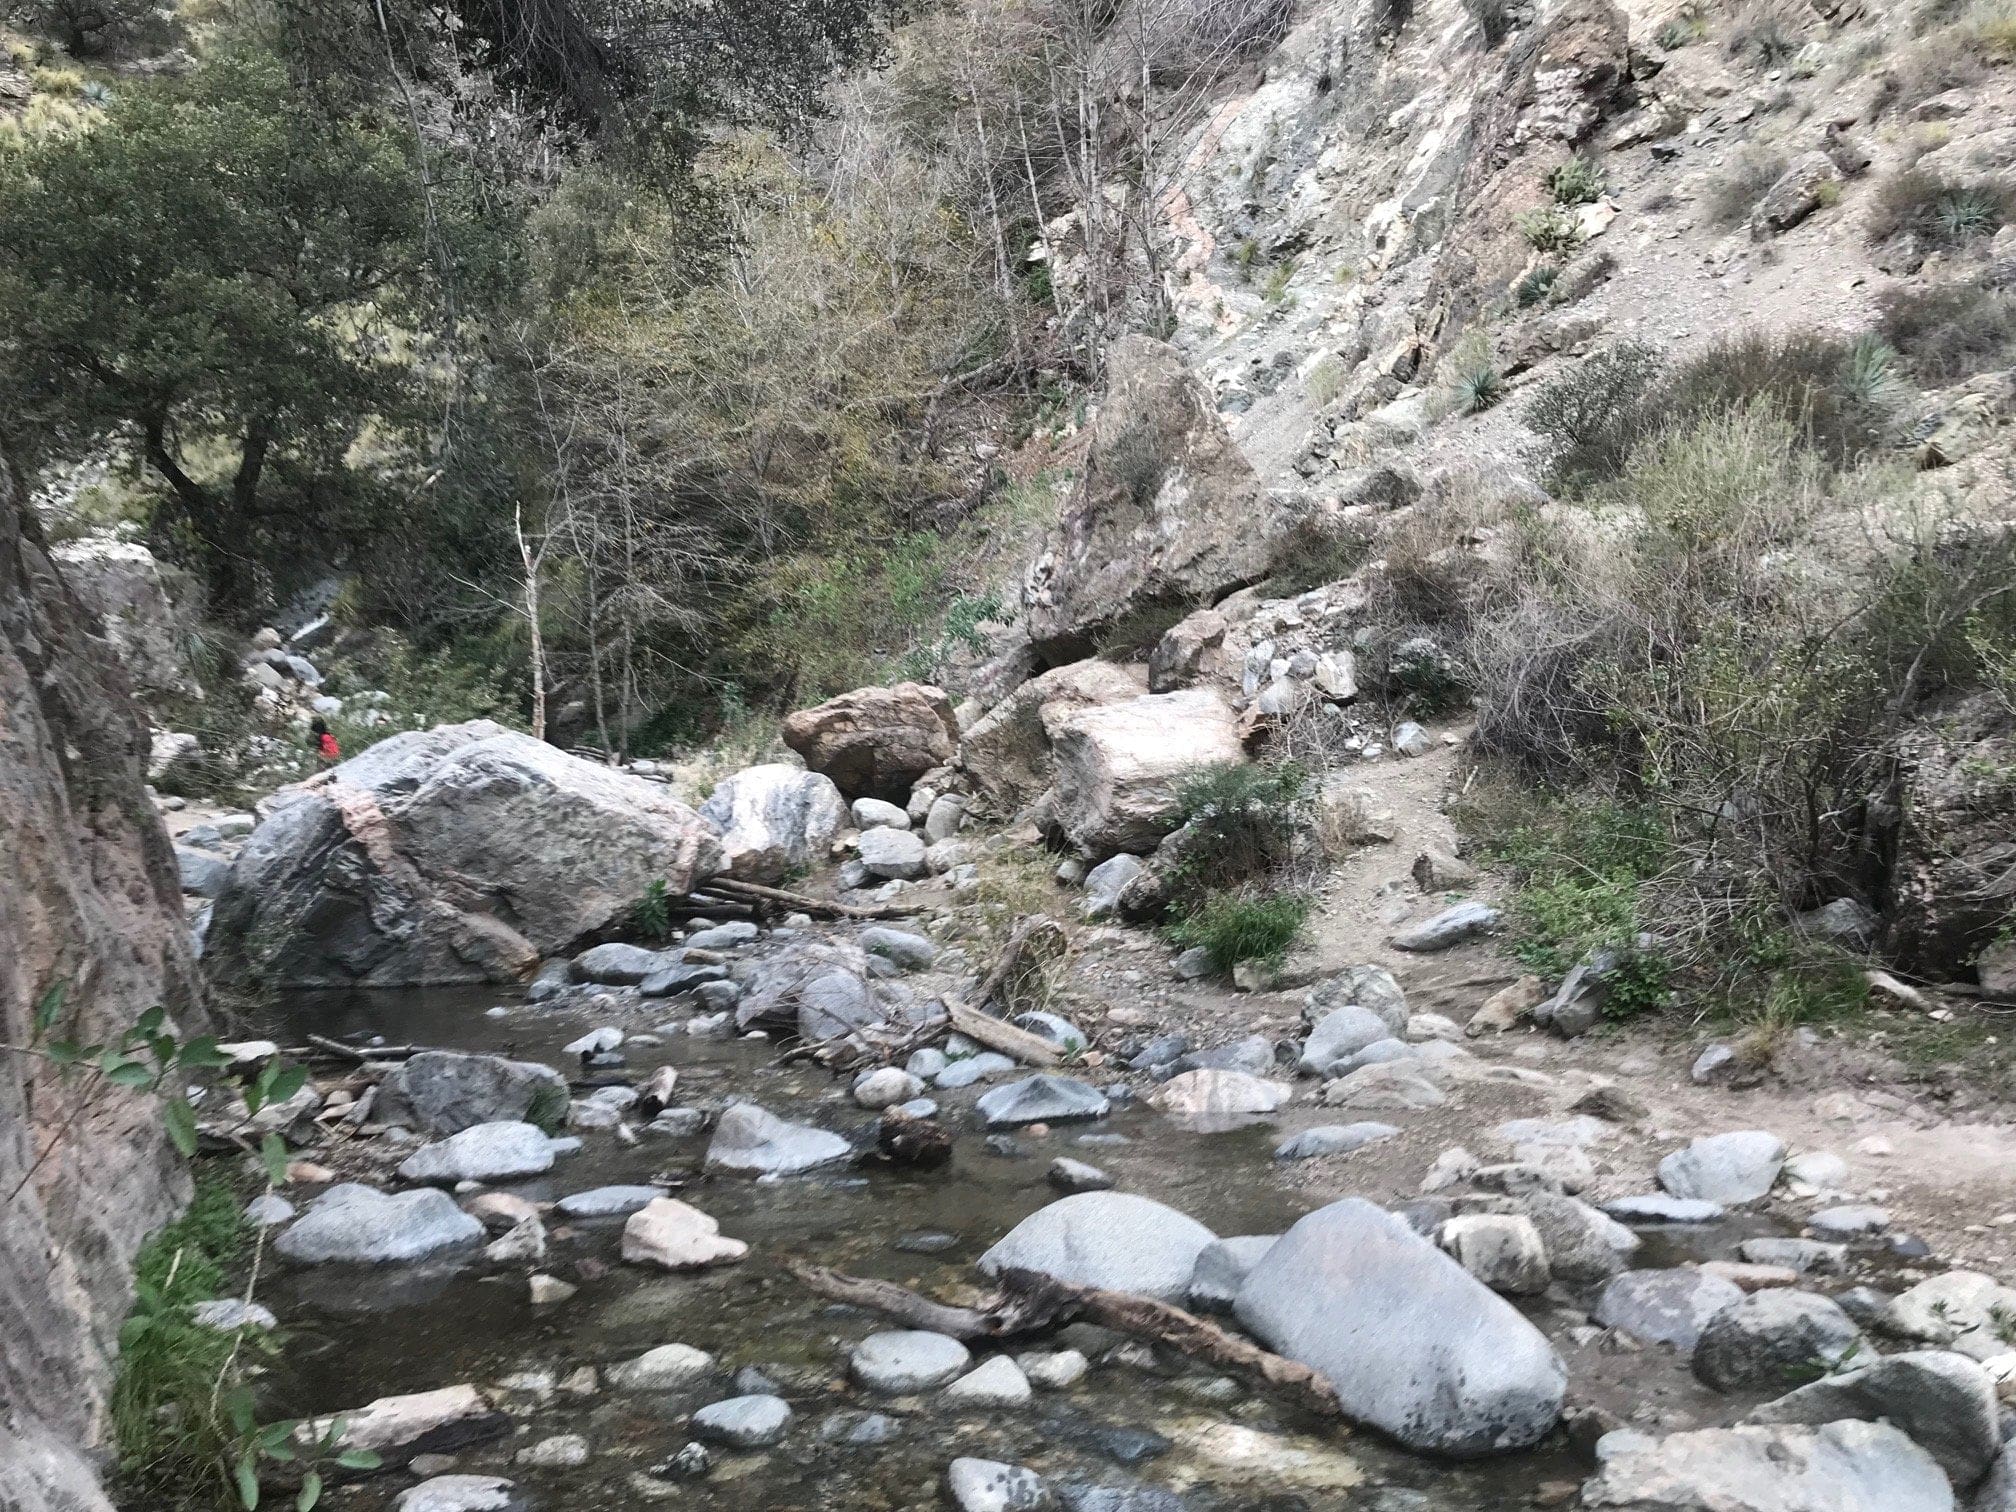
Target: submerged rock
(749, 1141)
(1413, 1344)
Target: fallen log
(806, 903)
(998, 1034)
(1030, 1302)
(362, 1054)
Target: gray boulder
(1222, 1267)
(730, 936)
(1725, 1168)
(1998, 1491)
(1843, 1467)
(1369, 987)
(1944, 1401)
(876, 742)
(774, 820)
(203, 875)
(464, 853)
(1584, 1246)
(447, 1091)
(1665, 1306)
(615, 965)
(1770, 1337)
(1413, 1344)
(1339, 1035)
(910, 951)
(608, 1201)
(1106, 882)
(1451, 927)
(1059, 1031)
(744, 1422)
(1119, 766)
(1806, 1256)
(362, 1225)
(1108, 1239)
(482, 1152)
(1332, 1139)
(817, 992)
(749, 1141)
(874, 813)
(902, 1361)
(893, 854)
(1040, 1099)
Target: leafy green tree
(233, 286)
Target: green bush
(1828, 386)
(1946, 212)
(1241, 820)
(1242, 926)
(1949, 331)
(1579, 181)
(1549, 228)
(1593, 414)
(1536, 285)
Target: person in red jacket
(323, 743)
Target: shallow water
(360, 1333)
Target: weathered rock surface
(1665, 1306)
(669, 1367)
(902, 1361)
(1413, 1344)
(1119, 766)
(675, 1236)
(122, 584)
(1110, 1239)
(744, 1422)
(1040, 1099)
(482, 1152)
(1843, 1467)
(1204, 1094)
(876, 742)
(464, 853)
(1960, 1310)
(748, 1141)
(1724, 1168)
(774, 819)
(447, 1091)
(1007, 752)
(1502, 1250)
(1944, 1401)
(1759, 1342)
(365, 1226)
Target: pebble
(1055, 1371)
(563, 1450)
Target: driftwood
(998, 1034)
(806, 903)
(362, 1054)
(1033, 945)
(1030, 1302)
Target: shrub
(1833, 390)
(1536, 285)
(1949, 331)
(1579, 181)
(1945, 212)
(1493, 18)
(1766, 34)
(1593, 414)
(1478, 388)
(1549, 228)
(1682, 31)
(1242, 926)
(1743, 183)
(1240, 821)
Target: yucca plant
(1534, 288)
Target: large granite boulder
(876, 742)
(1119, 766)
(1167, 515)
(774, 820)
(1945, 1401)
(447, 1091)
(1843, 1467)
(1767, 1338)
(1007, 751)
(1109, 1239)
(464, 853)
(1413, 1344)
(124, 585)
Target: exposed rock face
(447, 1091)
(1169, 515)
(876, 742)
(458, 854)
(124, 586)
(1119, 766)
(91, 899)
(1413, 1344)
(1844, 1467)
(1007, 752)
(774, 819)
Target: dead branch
(817, 907)
(1036, 942)
(996, 1034)
(362, 1054)
(1031, 1302)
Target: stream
(359, 1333)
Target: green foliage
(1536, 285)
(1242, 926)
(1579, 181)
(1240, 823)
(1946, 332)
(651, 915)
(1478, 388)
(1549, 228)
(1681, 31)
(1946, 212)
(1593, 413)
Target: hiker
(323, 743)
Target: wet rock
(1108, 1239)
(447, 1091)
(885, 1087)
(893, 854)
(744, 1422)
(458, 1493)
(1057, 1370)
(674, 980)
(1412, 1343)
(748, 1141)
(1332, 1139)
(1656, 1207)
(523, 1244)
(1222, 1267)
(362, 1225)
(674, 1236)
(1843, 1467)
(1755, 1343)
(1852, 1222)
(1339, 1035)
(858, 1430)
(997, 1382)
(484, 1152)
(1069, 1175)
(1944, 1401)
(607, 1201)
(774, 819)
(1039, 1099)
(669, 1367)
(912, 952)
(1725, 1168)
(1058, 1031)
(1502, 1250)
(903, 1361)
(1665, 1306)
(1806, 1256)
(1205, 1093)
(1451, 927)
(420, 1422)
(876, 742)
(978, 1485)
(1961, 1310)
(619, 965)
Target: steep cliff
(91, 899)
